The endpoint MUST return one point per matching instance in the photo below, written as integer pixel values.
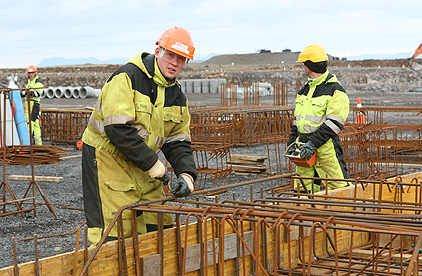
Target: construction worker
(35, 91)
(140, 110)
(321, 109)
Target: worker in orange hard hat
(321, 110)
(35, 91)
(140, 110)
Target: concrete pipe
(44, 93)
(59, 92)
(88, 92)
(50, 92)
(68, 92)
(75, 92)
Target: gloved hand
(291, 149)
(183, 186)
(307, 150)
(158, 170)
(23, 93)
(165, 178)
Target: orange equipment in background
(360, 118)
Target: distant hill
(380, 56)
(211, 58)
(60, 61)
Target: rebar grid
(65, 126)
(291, 236)
(252, 124)
(215, 175)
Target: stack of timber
(247, 164)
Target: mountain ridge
(61, 61)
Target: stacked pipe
(71, 92)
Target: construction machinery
(412, 60)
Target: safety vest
(321, 101)
(37, 91)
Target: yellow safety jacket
(137, 113)
(322, 107)
(36, 93)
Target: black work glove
(308, 150)
(165, 178)
(183, 186)
(23, 93)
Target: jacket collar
(148, 64)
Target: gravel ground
(68, 193)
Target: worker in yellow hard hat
(321, 110)
(140, 110)
(35, 92)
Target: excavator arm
(412, 63)
(418, 51)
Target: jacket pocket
(174, 114)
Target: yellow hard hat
(314, 53)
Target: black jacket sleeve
(324, 133)
(179, 154)
(126, 139)
(293, 135)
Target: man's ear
(157, 52)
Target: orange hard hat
(177, 40)
(31, 69)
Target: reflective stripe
(96, 124)
(142, 132)
(118, 119)
(180, 137)
(333, 126)
(98, 107)
(309, 128)
(315, 119)
(37, 93)
(336, 118)
(298, 118)
(159, 141)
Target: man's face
(31, 75)
(170, 64)
(307, 70)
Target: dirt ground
(66, 196)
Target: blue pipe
(20, 118)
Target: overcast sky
(34, 30)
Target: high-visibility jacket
(322, 107)
(321, 110)
(138, 112)
(37, 90)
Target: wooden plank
(37, 178)
(245, 167)
(151, 265)
(193, 256)
(70, 157)
(230, 245)
(245, 162)
(247, 157)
